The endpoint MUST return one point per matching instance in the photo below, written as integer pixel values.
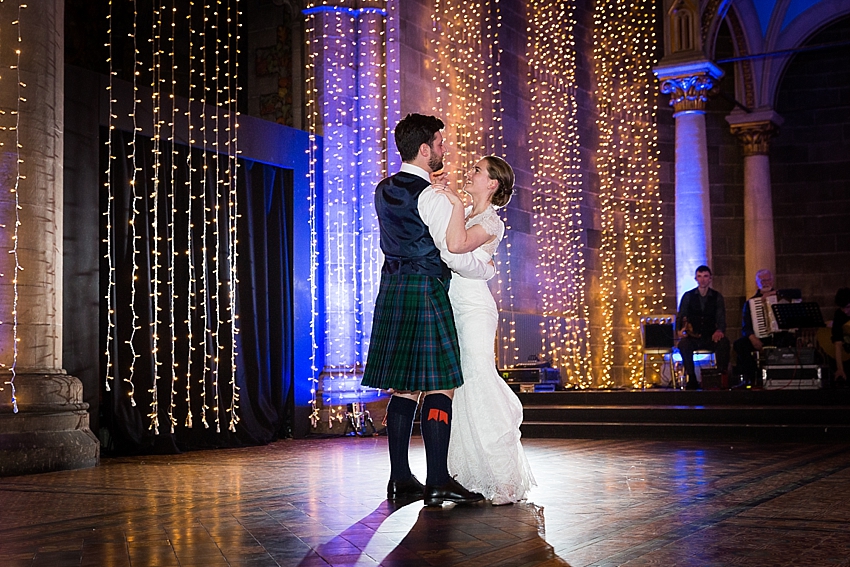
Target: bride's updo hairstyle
(499, 170)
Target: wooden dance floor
(320, 502)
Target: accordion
(764, 320)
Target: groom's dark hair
(413, 131)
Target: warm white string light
(233, 205)
(211, 184)
(312, 43)
(192, 288)
(19, 176)
(134, 213)
(555, 161)
(459, 83)
(156, 178)
(110, 209)
(340, 210)
(467, 39)
(627, 163)
(508, 350)
(173, 254)
(371, 167)
(206, 339)
(351, 114)
(214, 220)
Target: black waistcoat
(405, 241)
(703, 320)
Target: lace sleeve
(492, 225)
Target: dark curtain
(193, 317)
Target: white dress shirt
(435, 210)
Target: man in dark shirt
(701, 323)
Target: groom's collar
(415, 170)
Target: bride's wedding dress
(485, 452)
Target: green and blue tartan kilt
(414, 339)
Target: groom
(414, 346)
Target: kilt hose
(414, 340)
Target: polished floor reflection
(321, 502)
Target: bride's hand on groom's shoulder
(454, 198)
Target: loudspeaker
(658, 335)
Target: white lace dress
(485, 452)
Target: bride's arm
(458, 238)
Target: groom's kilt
(414, 339)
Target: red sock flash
(438, 415)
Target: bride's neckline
(472, 216)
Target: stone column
(46, 426)
(755, 130)
(688, 85)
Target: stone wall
(810, 171)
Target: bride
(485, 453)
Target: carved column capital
(755, 136)
(688, 93)
(687, 81)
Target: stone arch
(797, 34)
(712, 16)
(745, 88)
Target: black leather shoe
(692, 385)
(409, 489)
(451, 491)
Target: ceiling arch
(766, 32)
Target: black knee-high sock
(400, 414)
(436, 425)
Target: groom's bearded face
(435, 162)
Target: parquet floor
(322, 502)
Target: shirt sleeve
(435, 211)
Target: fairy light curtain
(175, 229)
(350, 99)
(264, 305)
(631, 283)
(468, 87)
(557, 190)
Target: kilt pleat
(414, 339)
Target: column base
(50, 431)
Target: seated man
(749, 343)
(701, 324)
